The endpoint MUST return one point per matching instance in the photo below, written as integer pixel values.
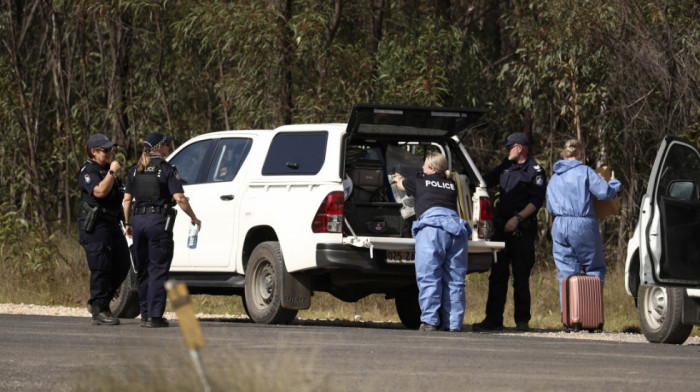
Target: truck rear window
(296, 153)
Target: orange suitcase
(582, 296)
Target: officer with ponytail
(153, 187)
(441, 245)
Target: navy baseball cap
(516, 138)
(99, 140)
(155, 139)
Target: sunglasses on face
(105, 150)
(510, 146)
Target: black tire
(263, 286)
(245, 306)
(125, 303)
(408, 308)
(659, 313)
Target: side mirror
(682, 190)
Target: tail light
(485, 224)
(329, 217)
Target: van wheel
(659, 314)
(125, 303)
(408, 308)
(263, 286)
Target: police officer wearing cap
(152, 189)
(522, 186)
(99, 231)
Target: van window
(296, 153)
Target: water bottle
(192, 237)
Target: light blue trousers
(441, 265)
(576, 244)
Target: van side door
(671, 220)
(215, 196)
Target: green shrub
(26, 248)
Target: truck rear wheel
(408, 308)
(263, 286)
(659, 310)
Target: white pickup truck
(310, 207)
(662, 270)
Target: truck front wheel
(125, 303)
(659, 309)
(263, 285)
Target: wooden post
(179, 297)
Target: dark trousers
(518, 255)
(153, 249)
(107, 256)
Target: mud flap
(691, 310)
(295, 291)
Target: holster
(89, 215)
(169, 213)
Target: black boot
(102, 315)
(156, 322)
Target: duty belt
(148, 210)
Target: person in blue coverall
(153, 187)
(441, 245)
(576, 240)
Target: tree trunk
(30, 92)
(284, 107)
(376, 8)
(119, 29)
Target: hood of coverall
(565, 165)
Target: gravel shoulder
(41, 310)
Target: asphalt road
(67, 353)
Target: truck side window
(298, 153)
(228, 158)
(193, 160)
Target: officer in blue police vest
(522, 184)
(153, 187)
(441, 245)
(99, 231)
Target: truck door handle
(226, 197)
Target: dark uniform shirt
(431, 191)
(91, 174)
(168, 181)
(520, 184)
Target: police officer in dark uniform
(522, 184)
(153, 187)
(99, 231)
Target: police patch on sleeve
(537, 167)
(539, 180)
(175, 173)
(87, 178)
